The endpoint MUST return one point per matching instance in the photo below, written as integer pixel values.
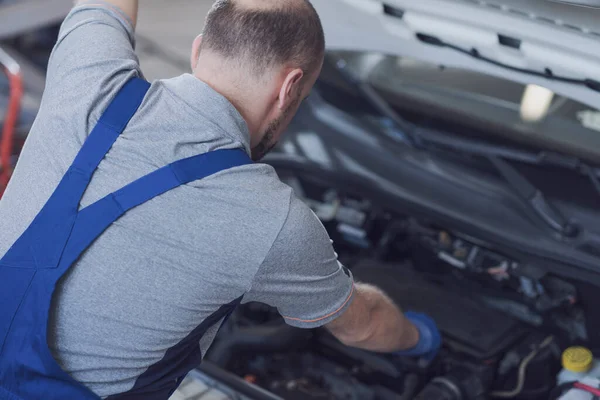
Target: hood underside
(542, 36)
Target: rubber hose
(560, 390)
(259, 339)
(411, 381)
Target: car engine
(503, 321)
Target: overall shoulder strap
(110, 125)
(94, 219)
(43, 242)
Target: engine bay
(504, 322)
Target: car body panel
(559, 37)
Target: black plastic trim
(509, 41)
(393, 11)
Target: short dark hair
(289, 32)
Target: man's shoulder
(301, 230)
(299, 217)
(262, 187)
(256, 193)
(252, 195)
(302, 219)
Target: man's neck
(243, 98)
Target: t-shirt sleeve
(95, 44)
(301, 275)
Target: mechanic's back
(160, 279)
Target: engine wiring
(563, 388)
(12, 70)
(523, 371)
(587, 388)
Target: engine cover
(466, 323)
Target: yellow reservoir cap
(577, 359)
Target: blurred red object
(15, 81)
(587, 388)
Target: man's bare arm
(128, 7)
(373, 322)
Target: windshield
(526, 108)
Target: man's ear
(291, 88)
(195, 52)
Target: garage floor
(164, 45)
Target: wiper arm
(573, 164)
(535, 198)
(428, 136)
(376, 101)
(469, 146)
(524, 189)
(593, 175)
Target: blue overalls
(56, 238)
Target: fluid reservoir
(579, 365)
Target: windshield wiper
(473, 147)
(435, 41)
(420, 138)
(376, 101)
(429, 138)
(573, 164)
(535, 198)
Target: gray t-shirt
(167, 265)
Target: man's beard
(267, 143)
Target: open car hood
(535, 35)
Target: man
(139, 297)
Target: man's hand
(373, 322)
(128, 7)
(430, 338)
